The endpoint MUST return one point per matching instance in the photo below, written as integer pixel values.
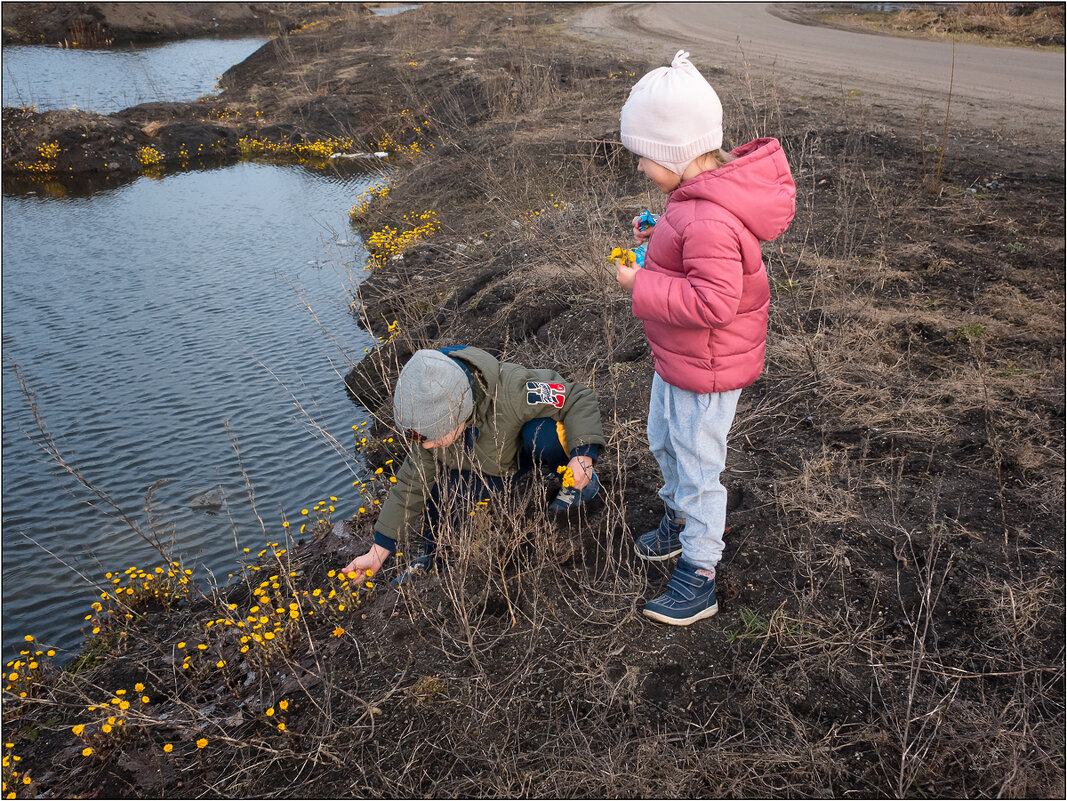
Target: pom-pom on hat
(672, 115)
(432, 396)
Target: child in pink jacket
(703, 297)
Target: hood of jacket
(486, 371)
(756, 187)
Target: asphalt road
(1012, 88)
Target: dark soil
(892, 593)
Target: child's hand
(578, 472)
(371, 560)
(625, 274)
(639, 235)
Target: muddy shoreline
(118, 24)
(892, 590)
(157, 137)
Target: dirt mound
(111, 24)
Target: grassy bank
(1035, 25)
(892, 591)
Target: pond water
(106, 81)
(391, 10)
(885, 8)
(145, 318)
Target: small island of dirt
(117, 24)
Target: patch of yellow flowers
(108, 727)
(25, 676)
(12, 779)
(149, 157)
(558, 205)
(47, 153)
(365, 198)
(135, 588)
(318, 151)
(390, 242)
(390, 145)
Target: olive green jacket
(506, 397)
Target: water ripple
(156, 318)
(109, 80)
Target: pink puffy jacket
(703, 293)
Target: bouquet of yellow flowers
(628, 256)
(635, 257)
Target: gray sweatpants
(687, 434)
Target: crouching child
(474, 423)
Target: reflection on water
(882, 8)
(106, 81)
(145, 319)
(391, 10)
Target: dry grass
(1022, 24)
(889, 375)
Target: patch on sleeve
(540, 392)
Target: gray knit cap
(433, 396)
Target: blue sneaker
(689, 597)
(418, 568)
(661, 543)
(571, 497)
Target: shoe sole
(683, 621)
(407, 579)
(651, 558)
(592, 505)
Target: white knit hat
(672, 115)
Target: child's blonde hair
(718, 157)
